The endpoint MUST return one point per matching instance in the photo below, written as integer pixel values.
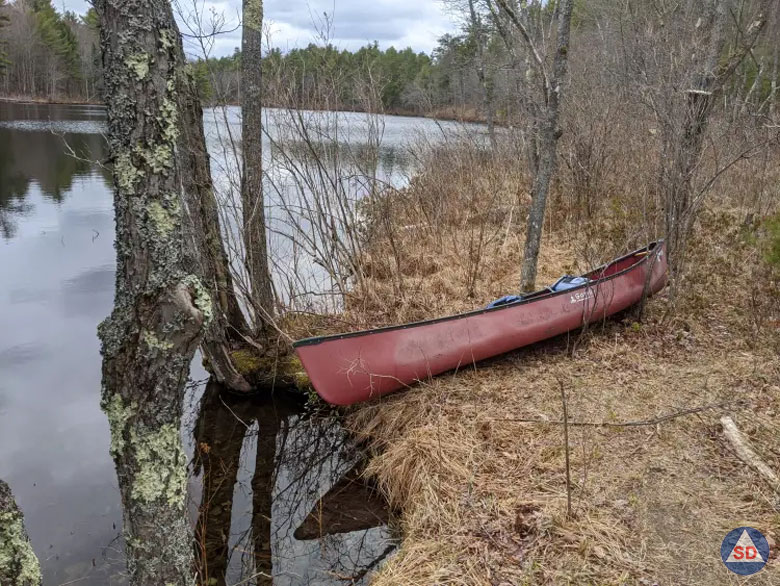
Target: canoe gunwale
(531, 298)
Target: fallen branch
(640, 423)
(746, 453)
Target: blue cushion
(505, 300)
(569, 282)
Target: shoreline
(48, 101)
(466, 116)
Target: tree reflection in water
(282, 500)
(40, 157)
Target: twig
(566, 446)
(746, 453)
(248, 579)
(639, 423)
(375, 562)
(71, 153)
(233, 413)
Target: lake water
(56, 285)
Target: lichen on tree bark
(161, 309)
(18, 563)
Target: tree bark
(547, 151)
(773, 85)
(207, 257)
(262, 299)
(161, 311)
(18, 563)
(772, 98)
(684, 148)
(488, 102)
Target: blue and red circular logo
(744, 551)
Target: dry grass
(481, 494)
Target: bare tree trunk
(18, 563)
(204, 236)
(757, 81)
(548, 143)
(773, 86)
(252, 164)
(677, 174)
(200, 187)
(545, 169)
(683, 150)
(775, 58)
(488, 102)
(161, 311)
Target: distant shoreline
(54, 101)
(467, 115)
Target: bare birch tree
(544, 116)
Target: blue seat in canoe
(562, 284)
(568, 282)
(505, 300)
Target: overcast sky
(294, 23)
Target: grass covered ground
(474, 462)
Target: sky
(295, 23)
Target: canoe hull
(350, 368)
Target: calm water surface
(262, 475)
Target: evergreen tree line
(45, 53)
(325, 77)
(48, 54)
(446, 82)
(53, 55)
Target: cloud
(349, 24)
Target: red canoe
(349, 368)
